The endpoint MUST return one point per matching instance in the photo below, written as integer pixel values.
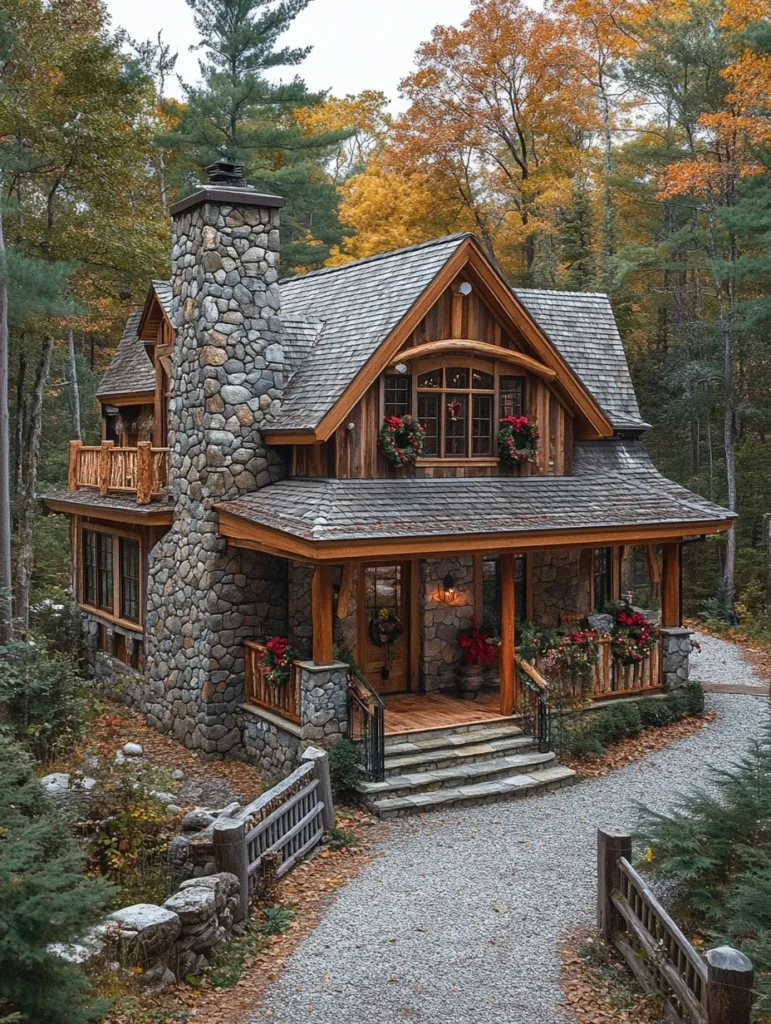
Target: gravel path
(722, 662)
(458, 920)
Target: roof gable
(130, 371)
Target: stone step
(457, 775)
(456, 754)
(508, 788)
(451, 736)
(500, 725)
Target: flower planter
(470, 679)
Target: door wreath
(385, 628)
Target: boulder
(601, 623)
(197, 820)
(133, 749)
(146, 931)
(193, 905)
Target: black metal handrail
(536, 713)
(368, 708)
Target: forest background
(620, 146)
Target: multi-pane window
(491, 591)
(459, 407)
(398, 387)
(129, 579)
(111, 567)
(603, 577)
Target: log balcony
(285, 700)
(143, 471)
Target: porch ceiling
(324, 519)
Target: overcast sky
(357, 44)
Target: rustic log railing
(269, 836)
(611, 678)
(716, 991)
(284, 700)
(143, 470)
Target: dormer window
(459, 406)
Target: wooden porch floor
(415, 711)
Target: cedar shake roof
(583, 329)
(359, 305)
(335, 319)
(130, 369)
(616, 485)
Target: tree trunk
(32, 437)
(21, 416)
(74, 391)
(6, 580)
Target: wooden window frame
(478, 590)
(495, 369)
(615, 574)
(114, 616)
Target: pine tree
(238, 115)
(576, 241)
(45, 898)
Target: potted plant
(478, 651)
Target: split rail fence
(715, 990)
(269, 836)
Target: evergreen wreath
(385, 628)
(633, 638)
(401, 440)
(518, 439)
(277, 659)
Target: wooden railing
(284, 700)
(143, 470)
(716, 991)
(611, 678)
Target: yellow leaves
(648, 856)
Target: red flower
(393, 422)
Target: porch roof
(109, 507)
(617, 499)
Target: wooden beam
(72, 471)
(480, 348)
(508, 612)
(321, 601)
(144, 472)
(671, 611)
(346, 589)
(245, 533)
(128, 398)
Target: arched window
(459, 406)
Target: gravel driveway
(722, 662)
(459, 918)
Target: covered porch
(340, 579)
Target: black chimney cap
(224, 172)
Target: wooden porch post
(507, 634)
(321, 602)
(671, 611)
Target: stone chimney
(227, 375)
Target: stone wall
(676, 653)
(441, 623)
(300, 629)
(560, 584)
(204, 598)
(274, 747)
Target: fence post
(730, 980)
(230, 854)
(612, 843)
(72, 471)
(320, 761)
(144, 472)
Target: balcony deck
(142, 471)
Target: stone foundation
(441, 622)
(274, 746)
(676, 653)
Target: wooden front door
(384, 596)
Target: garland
(277, 659)
(401, 440)
(518, 439)
(577, 654)
(385, 628)
(634, 637)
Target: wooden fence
(718, 990)
(284, 700)
(143, 470)
(279, 828)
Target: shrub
(655, 712)
(45, 898)
(56, 621)
(692, 695)
(43, 697)
(581, 737)
(618, 721)
(344, 767)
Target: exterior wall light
(401, 367)
(465, 288)
(448, 590)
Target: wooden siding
(352, 451)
